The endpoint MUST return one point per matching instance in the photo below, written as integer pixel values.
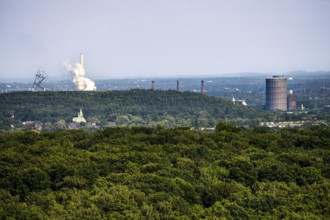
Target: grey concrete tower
(276, 93)
(82, 60)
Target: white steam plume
(78, 72)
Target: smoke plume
(78, 72)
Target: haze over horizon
(122, 39)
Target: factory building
(292, 103)
(276, 93)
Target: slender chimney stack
(153, 87)
(82, 59)
(202, 87)
(177, 85)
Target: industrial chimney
(82, 59)
(177, 85)
(202, 89)
(153, 87)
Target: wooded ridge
(133, 107)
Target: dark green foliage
(227, 127)
(157, 173)
(164, 108)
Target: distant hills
(169, 108)
(7, 78)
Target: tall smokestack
(202, 87)
(153, 87)
(82, 59)
(79, 79)
(177, 85)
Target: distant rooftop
(278, 76)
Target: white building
(80, 118)
(241, 102)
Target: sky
(163, 38)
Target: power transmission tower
(40, 77)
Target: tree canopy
(158, 173)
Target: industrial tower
(40, 77)
(276, 93)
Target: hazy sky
(160, 38)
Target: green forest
(131, 107)
(159, 173)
